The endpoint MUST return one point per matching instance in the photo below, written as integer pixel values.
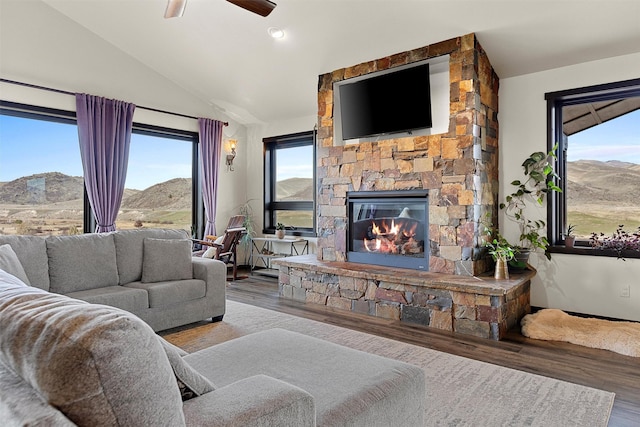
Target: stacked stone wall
(459, 168)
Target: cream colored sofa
(148, 272)
(66, 362)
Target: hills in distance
(614, 182)
(175, 194)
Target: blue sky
(33, 146)
(29, 147)
(618, 139)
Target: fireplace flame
(392, 239)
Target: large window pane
(294, 173)
(41, 185)
(603, 176)
(597, 131)
(289, 167)
(158, 189)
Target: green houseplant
(569, 237)
(280, 230)
(502, 252)
(538, 182)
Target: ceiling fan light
(175, 8)
(275, 32)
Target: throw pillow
(10, 279)
(190, 382)
(210, 252)
(166, 259)
(10, 263)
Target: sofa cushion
(10, 263)
(190, 382)
(166, 259)
(98, 365)
(350, 387)
(77, 263)
(130, 246)
(131, 300)
(32, 253)
(165, 294)
(21, 405)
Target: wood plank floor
(600, 369)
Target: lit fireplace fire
(392, 238)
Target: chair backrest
(232, 236)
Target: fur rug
(556, 325)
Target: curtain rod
(66, 92)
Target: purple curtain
(210, 148)
(104, 131)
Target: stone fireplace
(458, 170)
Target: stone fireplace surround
(460, 170)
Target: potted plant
(621, 242)
(502, 252)
(538, 182)
(280, 230)
(569, 237)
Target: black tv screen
(398, 101)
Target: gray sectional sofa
(65, 362)
(148, 272)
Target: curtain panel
(104, 131)
(210, 149)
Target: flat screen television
(393, 102)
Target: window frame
(556, 202)
(271, 145)
(35, 112)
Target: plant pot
(520, 261)
(569, 241)
(502, 270)
(280, 234)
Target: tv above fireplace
(393, 101)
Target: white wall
(255, 161)
(585, 284)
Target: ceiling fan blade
(261, 7)
(175, 8)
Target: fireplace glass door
(389, 228)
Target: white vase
(280, 234)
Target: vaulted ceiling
(222, 57)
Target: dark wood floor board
(590, 367)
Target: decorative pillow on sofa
(190, 382)
(166, 259)
(10, 263)
(82, 262)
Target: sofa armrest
(257, 401)
(214, 273)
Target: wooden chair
(226, 249)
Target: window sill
(587, 250)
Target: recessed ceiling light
(276, 33)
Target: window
(42, 188)
(41, 184)
(159, 190)
(597, 130)
(289, 193)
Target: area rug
(460, 391)
(556, 325)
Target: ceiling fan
(175, 8)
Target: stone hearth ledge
(472, 305)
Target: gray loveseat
(66, 362)
(148, 272)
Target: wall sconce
(232, 155)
